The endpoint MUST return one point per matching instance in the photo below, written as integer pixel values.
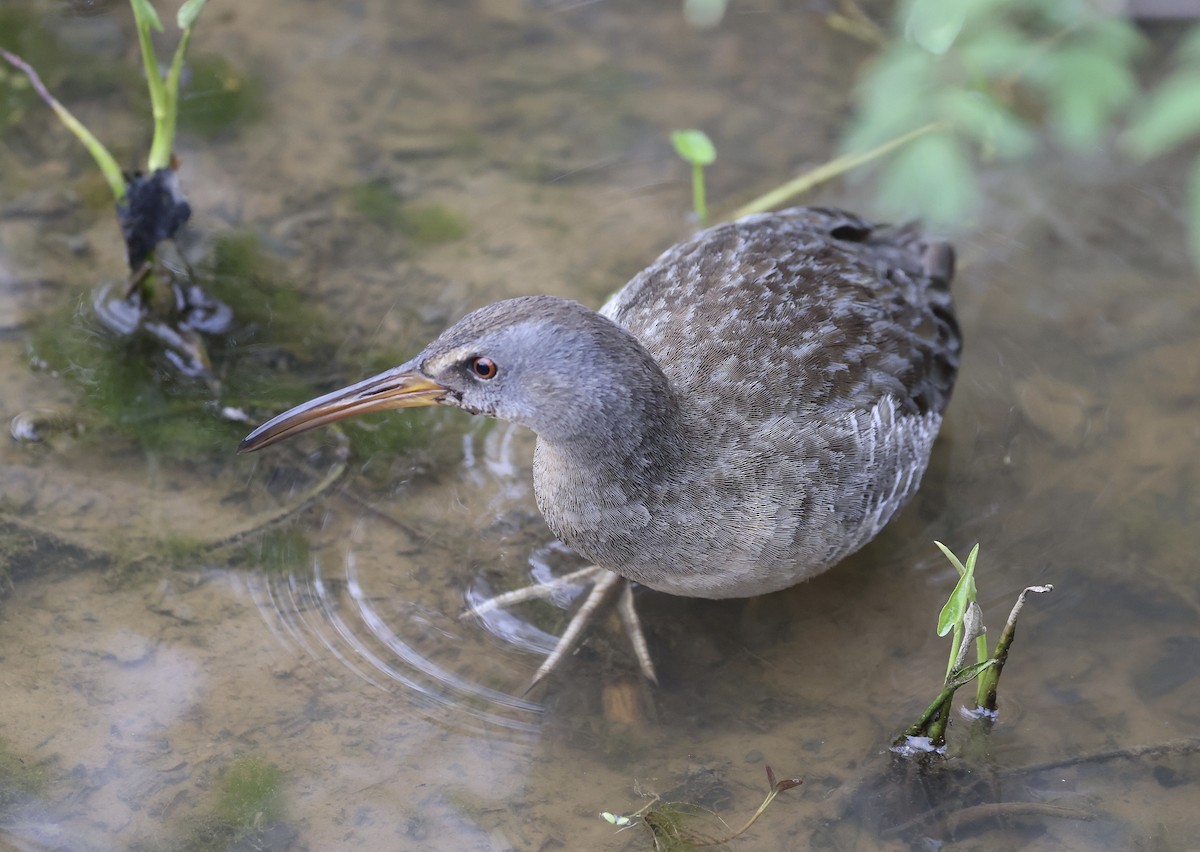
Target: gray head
(543, 362)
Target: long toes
(633, 629)
(536, 591)
(607, 585)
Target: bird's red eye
(485, 368)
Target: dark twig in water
(270, 519)
(955, 820)
(1190, 745)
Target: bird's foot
(606, 586)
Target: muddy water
(157, 643)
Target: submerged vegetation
(670, 824)
(246, 810)
(20, 778)
(135, 386)
(423, 224)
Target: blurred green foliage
(998, 80)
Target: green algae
(21, 779)
(284, 550)
(423, 224)
(246, 811)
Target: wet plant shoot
(151, 206)
(962, 616)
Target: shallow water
(164, 622)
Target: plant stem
(163, 144)
(830, 170)
(145, 18)
(989, 680)
(932, 723)
(698, 197)
(107, 163)
(929, 720)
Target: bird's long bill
(400, 387)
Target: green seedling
(696, 148)
(955, 610)
(151, 207)
(164, 95)
(962, 616)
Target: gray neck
(604, 480)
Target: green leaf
(964, 591)
(988, 122)
(188, 13)
(949, 554)
(934, 24)
(893, 99)
(1194, 211)
(1084, 89)
(1170, 117)
(145, 15)
(704, 14)
(104, 159)
(1189, 48)
(931, 178)
(998, 51)
(969, 673)
(1114, 37)
(694, 146)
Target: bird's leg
(633, 629)
(606, 586)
